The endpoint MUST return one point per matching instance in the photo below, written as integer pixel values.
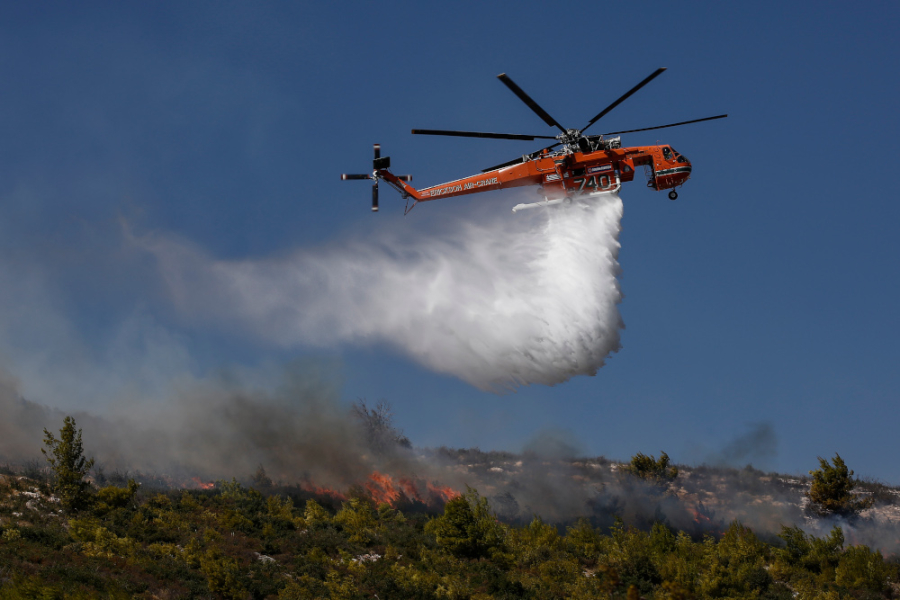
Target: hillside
(263, 539)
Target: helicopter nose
(675, 175)
(683, 171)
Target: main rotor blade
(625, 97)
(520, 159)
(481, 134)
(531, 103)
(669, 125)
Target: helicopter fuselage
(565, 175)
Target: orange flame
(445, 493)
(323, 491)
(704, 518)
(381, 488)
(410, 489)
(700, 518)
(200, 485)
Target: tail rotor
(379, 163)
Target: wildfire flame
(700, 518)
(381, 487)
(703, 517)
(323, 491)
(198, 484)
(445, 493)
(383, 490)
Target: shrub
(650, 469)
(223, 574)
(861, 568)
(358, 520)
(831, 489)
(468, 528)
(110, 498)
(737, 566)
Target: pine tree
(830, 492)
(66, 458)
(468, 528)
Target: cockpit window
(667, 154)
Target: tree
(830, 492)
(378, 425)
(468, 528)
(647, 467)
(66, 458)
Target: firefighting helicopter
(585, 166)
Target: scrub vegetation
(651, 469)
(831, 491)
(265, 540)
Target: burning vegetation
(537, 527)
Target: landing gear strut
(673, 195)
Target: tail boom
(508, 177)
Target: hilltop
(265, 539)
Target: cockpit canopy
(668, 152)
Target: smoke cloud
(217, 428)
(511, 301)
(757, 446)
(226, 427)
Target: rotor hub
(569, 136)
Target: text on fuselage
(460, 187)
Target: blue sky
(765, 294)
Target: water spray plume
(501, 303)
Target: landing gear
(673, 195)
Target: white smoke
(509, 301)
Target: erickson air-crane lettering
(576, 166)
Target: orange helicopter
(585, 166)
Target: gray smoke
(758, 446)
(700, 500)
(226, 427)
(215, 428)
(505, 302)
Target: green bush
(737, 566)
(468, 528)
(831, 490)
(651, 469)
(862, 569)
(111, 497)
